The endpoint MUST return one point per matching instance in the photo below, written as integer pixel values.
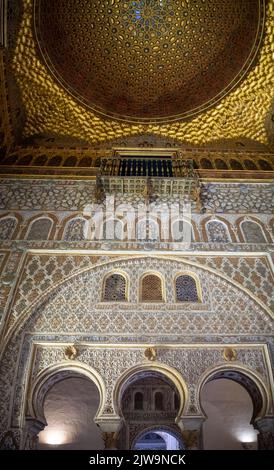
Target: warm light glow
(54, 437)
(247, 436)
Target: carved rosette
(230, 354)
(71, 352)
(151, 354)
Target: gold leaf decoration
(230, 354)
(150, 354)
(71, 352)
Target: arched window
(217, 232)
(186, 289)
(147, 229)
(252, 232)
(159, 401)
(70, 161)
(40, 160)
(10, 160)
(55, 161)
(205, 163)
(182, 231)
(235, 165)
(138, 401)
(75, 230)
(220, 164)
(85, 161)
(151, 288)
(113, 229)
(25, 160)
(39, 229)
(114, 288)
(7, 226)
(264, 165)
(250, 165)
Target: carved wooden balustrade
(163, 176)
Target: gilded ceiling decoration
(148, 59)
(50, 109)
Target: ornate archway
(71, 310)
(146, 370)
(251, 381)
(51, 375)
(171, 430)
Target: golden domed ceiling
(43, 111)
(148, 60)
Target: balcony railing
(158, 186)
(149, 167)
(148, 177)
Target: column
(191, 429)
(110, 430)
(31, 431)
(265, 426)
(10, 440)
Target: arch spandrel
(59, 313)
(81, 292)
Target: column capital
(190, 422)
(191, 429)
(264, 424)
(32, 428)
(110, 426)
(109, 423)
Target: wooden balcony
(155, 176)
(159, 186)
(158, 167)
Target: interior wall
(70, 407)
(229, 409)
